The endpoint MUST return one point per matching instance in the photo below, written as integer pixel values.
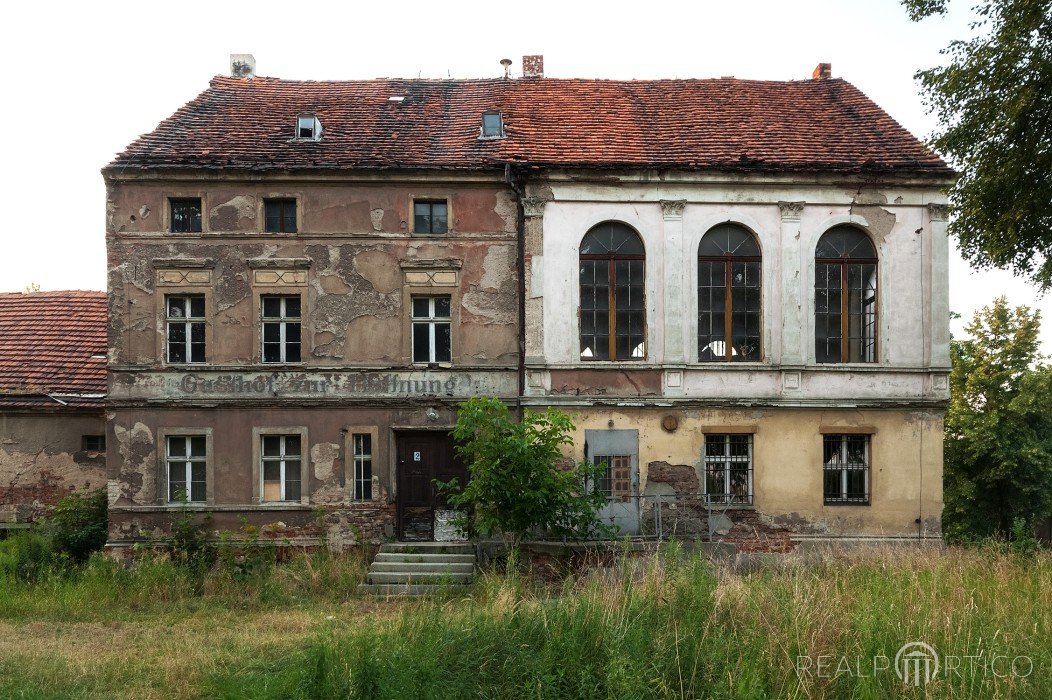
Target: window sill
(212, 508)
(841, 504)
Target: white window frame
(186, 321)
(282, 322)
(282, 458)
(362, 457)
(185, 463)
(432, 321)
(308, 121)
(727, 460)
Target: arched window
(613, 303)
(729, 295)
(845, 296)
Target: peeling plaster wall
(41, 461)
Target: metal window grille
(280, 316)
(186, 215)
(616, 480)
(845, 297)
(432, 329)
(93, 443)
(430, 216)
(281, 467)
(363, 467)
(728, 469)
(279, 215)
(186, 458)
(185, 328)
(845, 468)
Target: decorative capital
(533, 206)
(939, 212)
(672, 209)
(791, 211)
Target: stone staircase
(420, 568)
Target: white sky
(84, 79)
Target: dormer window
(308, 128)
(492, 125)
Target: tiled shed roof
(721, 124)
(53, 343)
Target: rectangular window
(185, 328)
(728, 469)
(845, 460)
(432, 341)
(186, 215)
(280, 466)
(430, 216)
(363, 467)
(616, 481)
(185, 457)
(279, 215)
(93, 443)
(492, 125)
(281, 328)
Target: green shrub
(28, 555)
(79, 525)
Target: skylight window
(308, 128)
(492, 125)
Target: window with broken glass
(728, 469)
(281, 328)
(185, 214)
(185, 331)
(186, 457)
(281, 461)
(729, 295)
(363, 467)
(430, 216)
(845, 297)
(616, 481)
(279, 215)
(613, 301)
(432, 336)
(845, 460)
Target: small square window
(93, 443)
(492, 125)
(279, 215)
(186, 215)
(308, 128)
(430, 216)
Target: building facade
(52, 393)
(738, 289)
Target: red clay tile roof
(720, 124)
(47, 340)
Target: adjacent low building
(52, 393)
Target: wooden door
(423, 458)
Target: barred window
(363, 467)
(281, 467)
(186, 468)
(613, 300)
(185, 328)
(728, 469)
(616, 481)
(845, 461)
(729, 295)
(845, 297)
(281, 328)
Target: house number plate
(416, 456)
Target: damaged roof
(725, 124)
(52, 349)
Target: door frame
(397, 434)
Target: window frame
(283, 321)
(258, 433)
(432, 321)
(187, 463)
(430, 202)
(844, 467)
(86, 443)
(315, 127)
(187, 322)
(162, 488)
(728, 497)
(362, 483)
(843, 263)
(500, 125)
(173, 201)
(283, 202)
(612, 258)
(728, 260)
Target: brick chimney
(823, 71)
(242, 65)
(533, 66)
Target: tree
(998, 449)
(517, 486)
(994, 105)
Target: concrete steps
(420, 568)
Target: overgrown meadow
(665, 625)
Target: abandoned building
(737, 288)
(52, 393)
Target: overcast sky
(84, 79)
